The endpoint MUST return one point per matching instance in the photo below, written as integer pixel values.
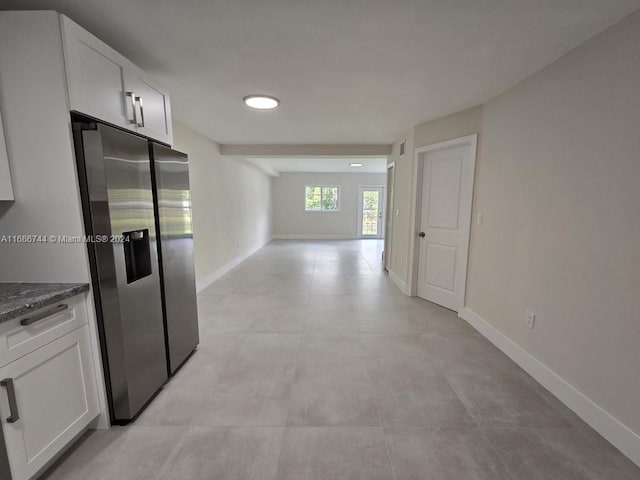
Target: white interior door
(370, 212)
(445, 216)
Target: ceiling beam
(351, 150)
(265, 169)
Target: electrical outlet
(530, 318)
(480, 219)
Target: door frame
(414, 246)
(381, 202)
(388, 220)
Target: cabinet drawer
(17, 340)
(47, 398)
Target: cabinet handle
(141, 122)
(132, 99)
(11, 395)
(45, 313)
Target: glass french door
(370, 220)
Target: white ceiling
(274, 166)
(346, 71)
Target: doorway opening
(388, 224)
(371, 211)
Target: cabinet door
(95, 77)
(153, 108)
(54, 389)
(6, 189)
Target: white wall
(401, 227)
(290, 220)
(452, 126)
(42, 164)
(558, 184)
(559, 187)
(231, 206)
(40, 148)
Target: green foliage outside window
(321, 199)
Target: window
(321, 198)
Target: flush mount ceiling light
(261, 102)
(355, 164)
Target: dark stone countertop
(19, 298)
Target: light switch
(530, 318)
(480, 219)
(397, 212)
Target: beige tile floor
(312, 365)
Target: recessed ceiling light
(261, 102)
(355, 164)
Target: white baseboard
(216, 274)
(296, 236)
(402, 285)
(621, 436)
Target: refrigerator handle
(132, 99)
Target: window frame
(321, 186)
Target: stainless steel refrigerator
(172, 197)
(130, 222)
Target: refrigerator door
(115, 177)
(173, 198)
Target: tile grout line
(495, 450)
(478, 425)
(164, 469)
(377, 403)
(451, 386)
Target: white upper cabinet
(151, 105)
(95, 76)
(105, 85)
(6, 188)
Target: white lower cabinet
(47, 398)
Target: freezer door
(119, 187)
(176, 252)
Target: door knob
(422, 234)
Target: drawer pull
(11, 395)
(45, 313)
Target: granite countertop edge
(16, 299)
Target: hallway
(313, 365)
